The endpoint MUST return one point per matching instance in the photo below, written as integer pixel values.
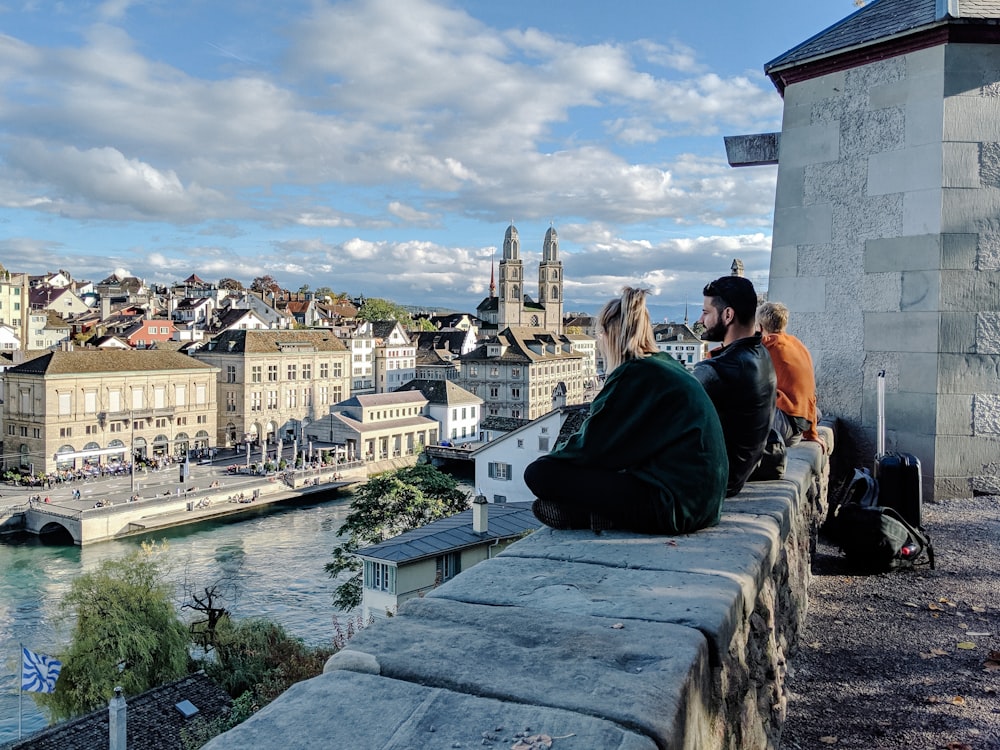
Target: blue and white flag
(38, 672)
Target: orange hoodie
(793, 367)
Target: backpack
(873, 538)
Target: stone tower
(511, 297)
(886, 242)
(550, 282)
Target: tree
(375, 309)
(421, 324)
(126, 632)
(265, 285)
(386, 505)
(231, 284)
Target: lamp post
(131, 422)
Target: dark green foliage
(387, 505)
(126, 632)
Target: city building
(361, 341)
(524, 373)
(456, 410)
(681, 343)
(395, 359)
(419, 560)
(437, 352)
(512, 307)
(14, 304)
(69, 407)
(500, 463)
(376, 426)
(273, 383)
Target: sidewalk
(905, 659)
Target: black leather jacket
(739, 378)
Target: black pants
(618, 499)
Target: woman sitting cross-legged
(650, 457)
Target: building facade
(395, 356)
(524, 373)
(273, 383)
(681, 343)
(67, 408)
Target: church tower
(511, 298)
(550, 282)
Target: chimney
(480, 514)
(116, 721)
(105, 306)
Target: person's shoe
(559, 516)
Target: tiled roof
(385, 399)
(153, 720)
(575, 416)
(502, 424)
(270, 342)
(505, 521)
(440, 391)
(882, 19)
(107, 360)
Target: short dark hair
(736, 292)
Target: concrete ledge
(611, 640)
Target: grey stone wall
(615, 640)
(887, 250)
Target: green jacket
(654, 420)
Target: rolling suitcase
(898, 474)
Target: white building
(681, 343)
(362, 346)
(395, 356)
(456, 410)
(500, 464)
(419, 560)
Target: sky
(382, 147)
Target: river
(274, 556)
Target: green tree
(126, 632)
(421, 324)
(375, 309)
(387, 505)
(232, 284)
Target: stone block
(709, 603)
(963, 83)
(871, 132)
(412, 716)
(842, 181)
(864, 78)
(958, 333)
(922, 212)
(968, 456)
(924, 122)
(752, 150)
(966, 373)
(988, 245)
(803, 225)
(828, 86)
(881, 292)
(905, 170)
(954, 415)
(958, 290)
(916, 372)
(974, 119)
(961, 165)
(901, 332)
(964, 210)
(589, 663)
(920, 290)
(911, 412)
(988, 332)
(989, 165)
(784, 261)
(795, 115)
(801, 294)
(958, 250)
(926, 62)
(810, 145)
(911, 253)
(790, 189)
(986, 415)
(917, 87)
(972, 58)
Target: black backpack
(875, 539)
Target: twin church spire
(518, 309)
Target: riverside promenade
(105, 508)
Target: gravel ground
(908, 659)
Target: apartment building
(271, 384)
(70, 407)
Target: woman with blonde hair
(650, 457)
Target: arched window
(555, 292)
(514, 289)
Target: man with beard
(738, 376)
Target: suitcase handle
(880, 419)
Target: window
(24, 431)
(473, 372)
(272, 373)
(36, 432)
(543, 443)
(292, 399)
(454, 414)
(90, 402)
(159, 397)
(500, 471)
(494, 392)
(65, 432)
(499, 498)
(515, 393)
(231, 401)
(180, 396)
(380, 576)
(307, 372)
(255, 402)
(255, 374)
(200, 394)
(230, 373)
(324, 396)
(272, 399)
(338, 369)
(324, 370)
(448, 566)
(161, 423)
(520, 443)
(463, 412)
(515, 372)
(65, 404)
(494, 372)
(292, 371)
(202, 419)
(164, 329)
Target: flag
(38, 672)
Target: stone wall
(611, 640)
(886, 248)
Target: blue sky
(382, 146)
